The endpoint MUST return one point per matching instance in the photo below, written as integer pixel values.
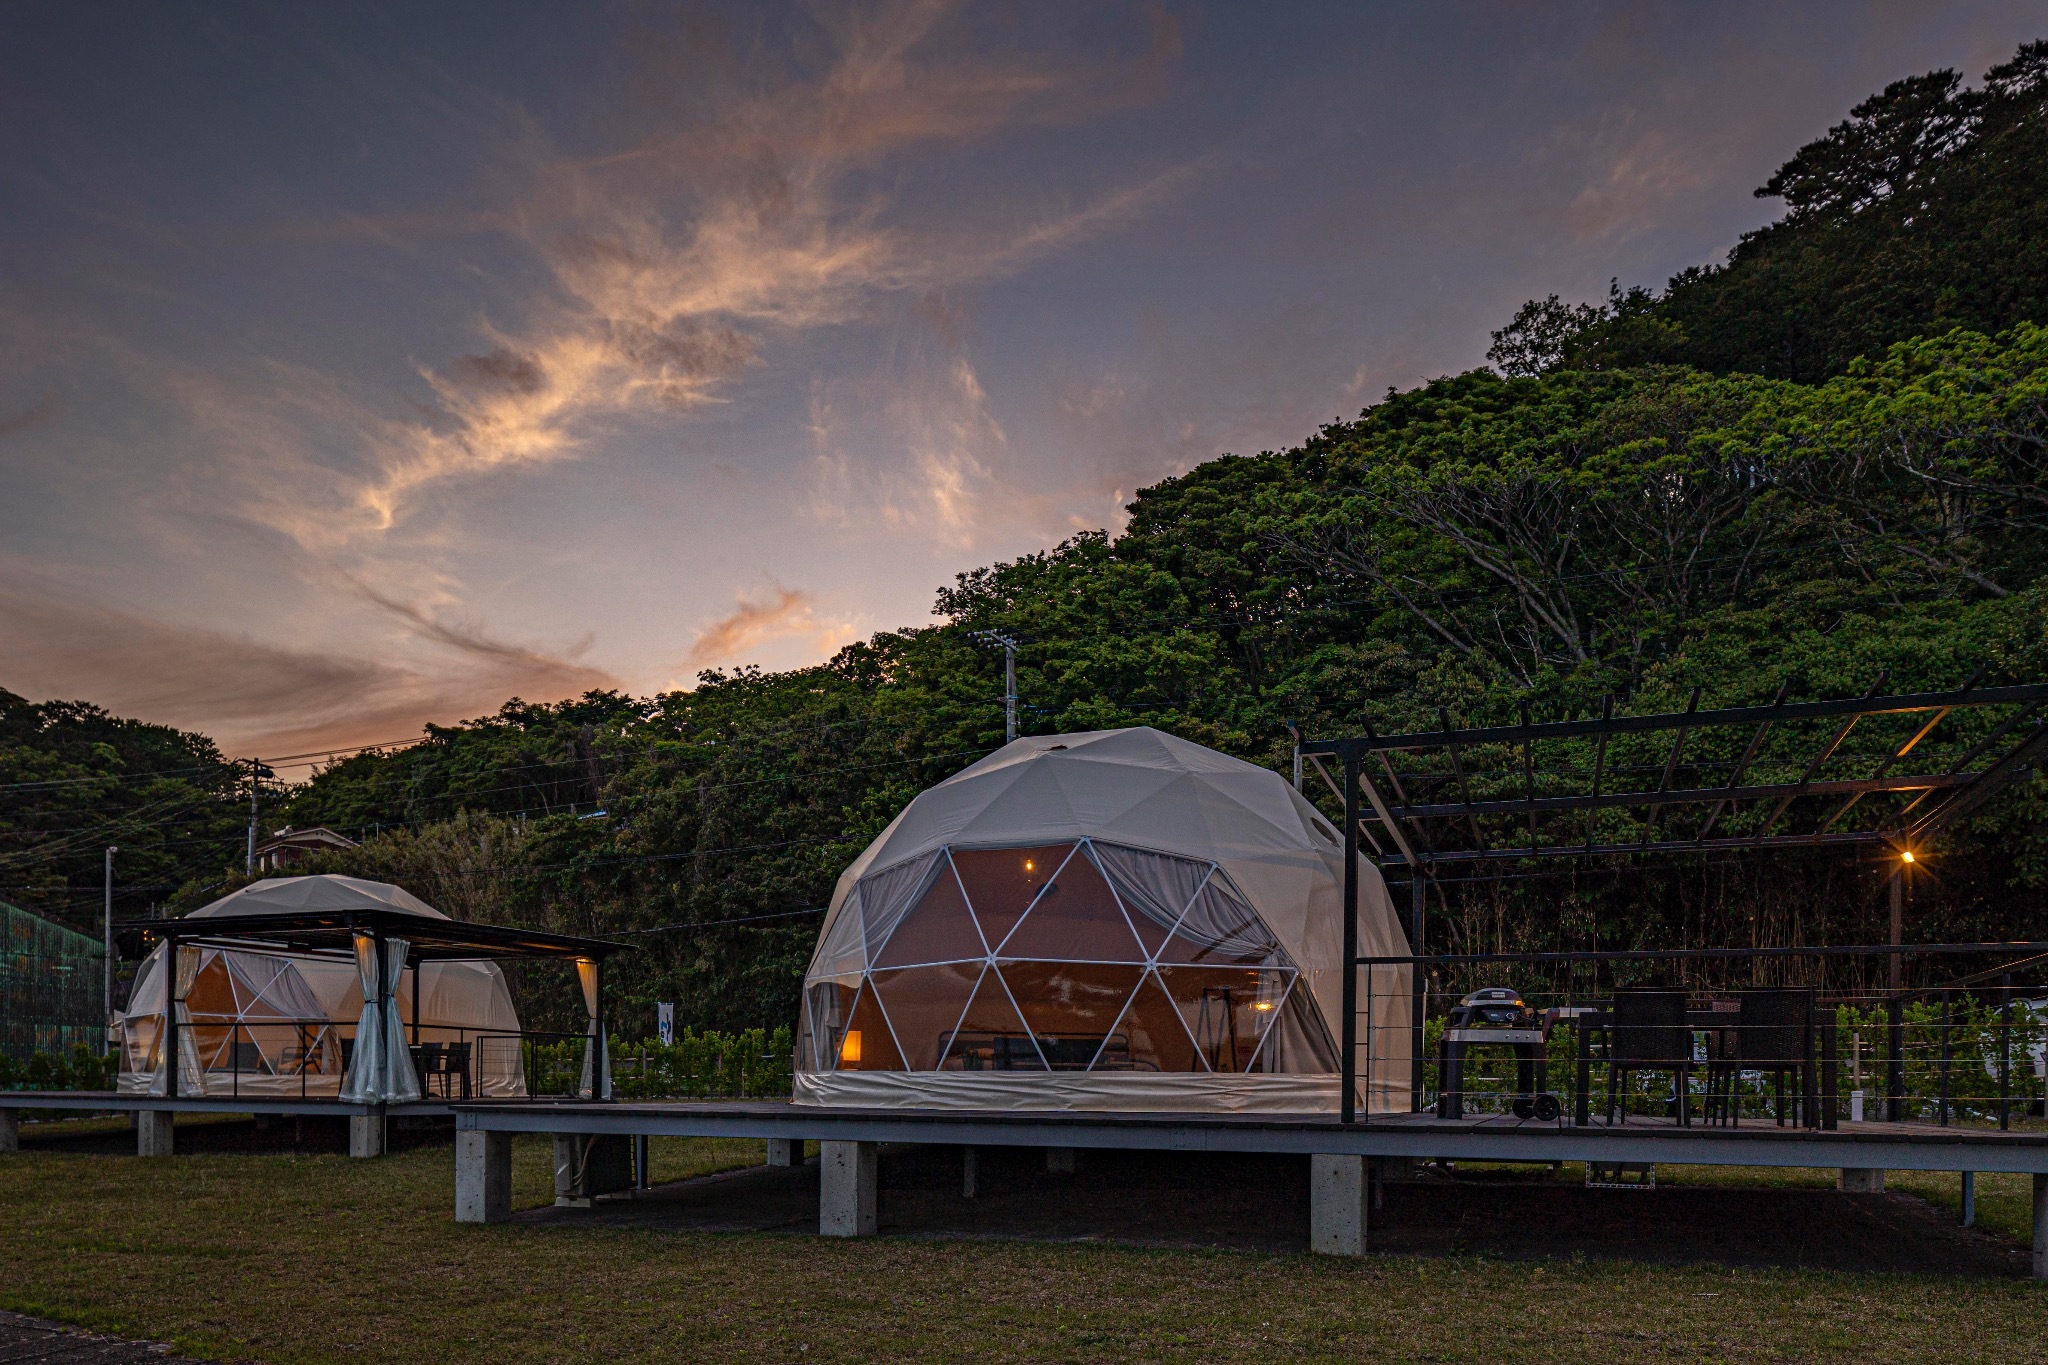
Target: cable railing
(1541, 1038)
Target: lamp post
(107, 953)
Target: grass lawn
(312, 1258)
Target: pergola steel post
(1418, 898)
(1895, 1029)
(170, 1016)
(1347, 1109)
(107, 952)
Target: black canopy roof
(332, 933)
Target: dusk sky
(366, 366)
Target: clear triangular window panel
(828, 1005)
(886, 897)
(938, 928)
(1075, 918)
(867, 1044)
(843, 948)
(1151, 1035)
(1155, 888)
(1227, 1010)
(924, 1005)
(1073, 1007)
(991, 1035)
(1220, 929)
(1002, 882)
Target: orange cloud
(791, 612)
(256, 697)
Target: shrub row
(83, 1069)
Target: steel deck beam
(1882, 1146)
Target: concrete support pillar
(2041, 1227)
(1862, 1180)
(846, 1189)
(970, 1172)
(366, 1135)
(1337, 1193)
(1059, 1160)
(153, 1132)
(1969, 1218)
(10, 1130)
(483, 1177)
(785, 1152)
(643, 1162)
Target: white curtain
(597, 1053)
(183, 971)
(381, 1069)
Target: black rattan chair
(1648, 1032)
(1774, 1034)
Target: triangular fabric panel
(1227, 1010)
(1072, 1008)
(1001, 883)
(887, 897)
(938, 928)
(1151, 1034)
(1220, 929)
(924, 1005)
(991, 1036)
(867, 1044)
(1076, 918)
(1155, 889)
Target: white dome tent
(278, 1023)
(1115, 920)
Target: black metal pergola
(333, 934)
(1890, 770)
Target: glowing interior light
(1029, 865)
(1907, 855)
(1263, 1005)
(849, 1051)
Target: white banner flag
(665, 1021)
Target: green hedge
(750, 1064)
(83, 1069)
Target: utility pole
(107, 964)
(1008, 643)
(257, 772)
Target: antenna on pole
(997, 639)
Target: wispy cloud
(253, 696)
(34, 415)
(674, 264)
(786, 612)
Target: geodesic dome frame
(1119, 919)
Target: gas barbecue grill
(1496, 1016)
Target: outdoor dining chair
(1774, 1035)
(1648, 1032)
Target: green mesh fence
(50, 988)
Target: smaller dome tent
(1115, 920)
(281, 1023)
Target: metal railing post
(2005, 1052)
(1895, 1060)
(1418, 900)
(1347, 1102)
(1947, 1026)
